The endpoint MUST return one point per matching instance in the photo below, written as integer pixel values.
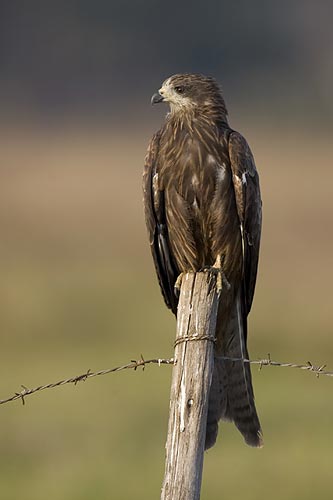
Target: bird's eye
(180, 89)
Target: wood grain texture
(191, 380)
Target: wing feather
(154, 207)
(248, 199)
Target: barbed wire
(134, 364)
(318, 370)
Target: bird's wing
(248, 200)
(154, 205)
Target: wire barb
(134, 364)
(318, 370)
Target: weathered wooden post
(191, 379)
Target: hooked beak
(157, 98)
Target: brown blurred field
(78, 291)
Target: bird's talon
(178, 284)
(221, 280)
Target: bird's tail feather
(231, 394)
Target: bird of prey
(203, 210)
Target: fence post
(191, 379)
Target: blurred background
(77, 287)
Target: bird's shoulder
(241, 156)
(152, 151)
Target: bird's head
(191, 93)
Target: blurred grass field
(78, 291)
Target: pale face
(175, 95)
(190, 92)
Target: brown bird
(203, 210)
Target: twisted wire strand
(134, 364)
(317, 369)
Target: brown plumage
(202, 203)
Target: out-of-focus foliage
(78, 291)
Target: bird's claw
(221, 280)
(178, 284)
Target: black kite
(203, 208)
